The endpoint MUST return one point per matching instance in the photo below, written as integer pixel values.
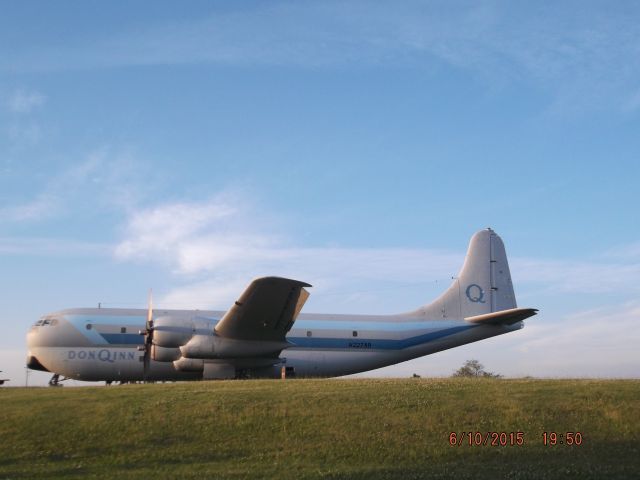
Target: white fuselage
(104, 344)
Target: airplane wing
(265, 311)
(503, 317)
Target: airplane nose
(32, 336)
(34, 364)
(43, 332)
(33, 341)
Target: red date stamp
(512, 439)
(487, 439)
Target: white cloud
(216, 243)
(50, 247)
(190, 237)
(50, 200)
(44, 205)
(589, 343)
(342, 278)
(23, 101)
(629, 253)
(216, 247)
(102, 180)
(206, 294)
(555, 45)
(578, 276)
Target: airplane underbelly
(335, 363)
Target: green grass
(360, 429)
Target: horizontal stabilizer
(503, 317)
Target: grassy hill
(296, 429)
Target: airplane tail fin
(483, 285)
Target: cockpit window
(46, 322)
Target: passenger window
(123, 330)
(308, 333)
(355, 333)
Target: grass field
(295, 429)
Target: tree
(473, 368)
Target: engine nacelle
(189, 364)
(164, 354)
(200, 346)
(211, 369)
(172, 332)
(212, 346)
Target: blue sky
(353, 145)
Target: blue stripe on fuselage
(375, 344)
(351, 343)
(377, 326)
(80, 322)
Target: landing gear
(55, 380)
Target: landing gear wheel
(55, 380)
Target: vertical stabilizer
(483, 285)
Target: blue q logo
(475, 293)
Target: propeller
(148, 337)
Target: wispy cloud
(102, 179)
(588, 343)
(51, 199)
(43, 206)
(584, 277)
(214, 244)
(24, 101)
(624, 253)
(581, 53)
(215, 247)
(342, 277)
(51, 247)
(168, 231)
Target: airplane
(264, 335)
(2, 380)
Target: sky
(353, 145)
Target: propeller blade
(150, 310)
(148, 339)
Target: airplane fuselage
(105, 344)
